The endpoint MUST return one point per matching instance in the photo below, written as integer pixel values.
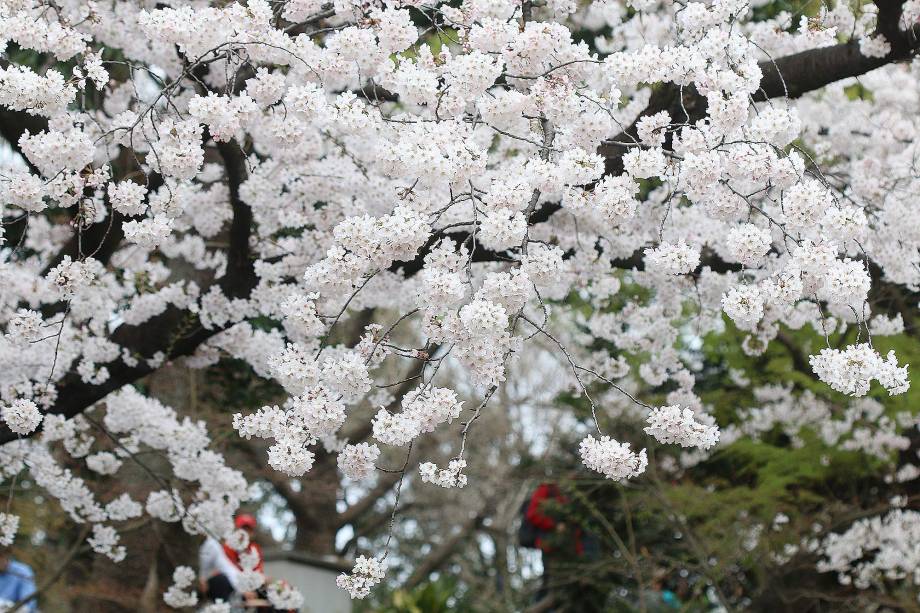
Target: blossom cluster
(449, 477)
(267, 176)
(612, 459)
(672, 424)
(874, 549)
(852, 370)
(367, 573)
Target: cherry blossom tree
(194, 181)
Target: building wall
(317, 585)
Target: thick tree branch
(13, 124)
(385, 483)
(788, 76)
(800, 73)
(792, 76)
(440, 554)
(241, 277)
(174, 333)
(100, 240)
(479, 253)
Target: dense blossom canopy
(196, 179)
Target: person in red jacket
(567, 551)
(553, 535)
(258, 600)
(248, 523)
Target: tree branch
(241, 277)
(57, 574)
(13, 124)
(442, 552)
(385, 483)
(176, 332)
(800, 73)
(102, 239)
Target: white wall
(317, 585)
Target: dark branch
(385, 483)
(174, 333)
(241, 277)
(442, 552)
(800, 73)
(100, 240)
(13, 124)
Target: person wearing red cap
(255, 600)
(246, 522)
(217, 574)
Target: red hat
(245, 521)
